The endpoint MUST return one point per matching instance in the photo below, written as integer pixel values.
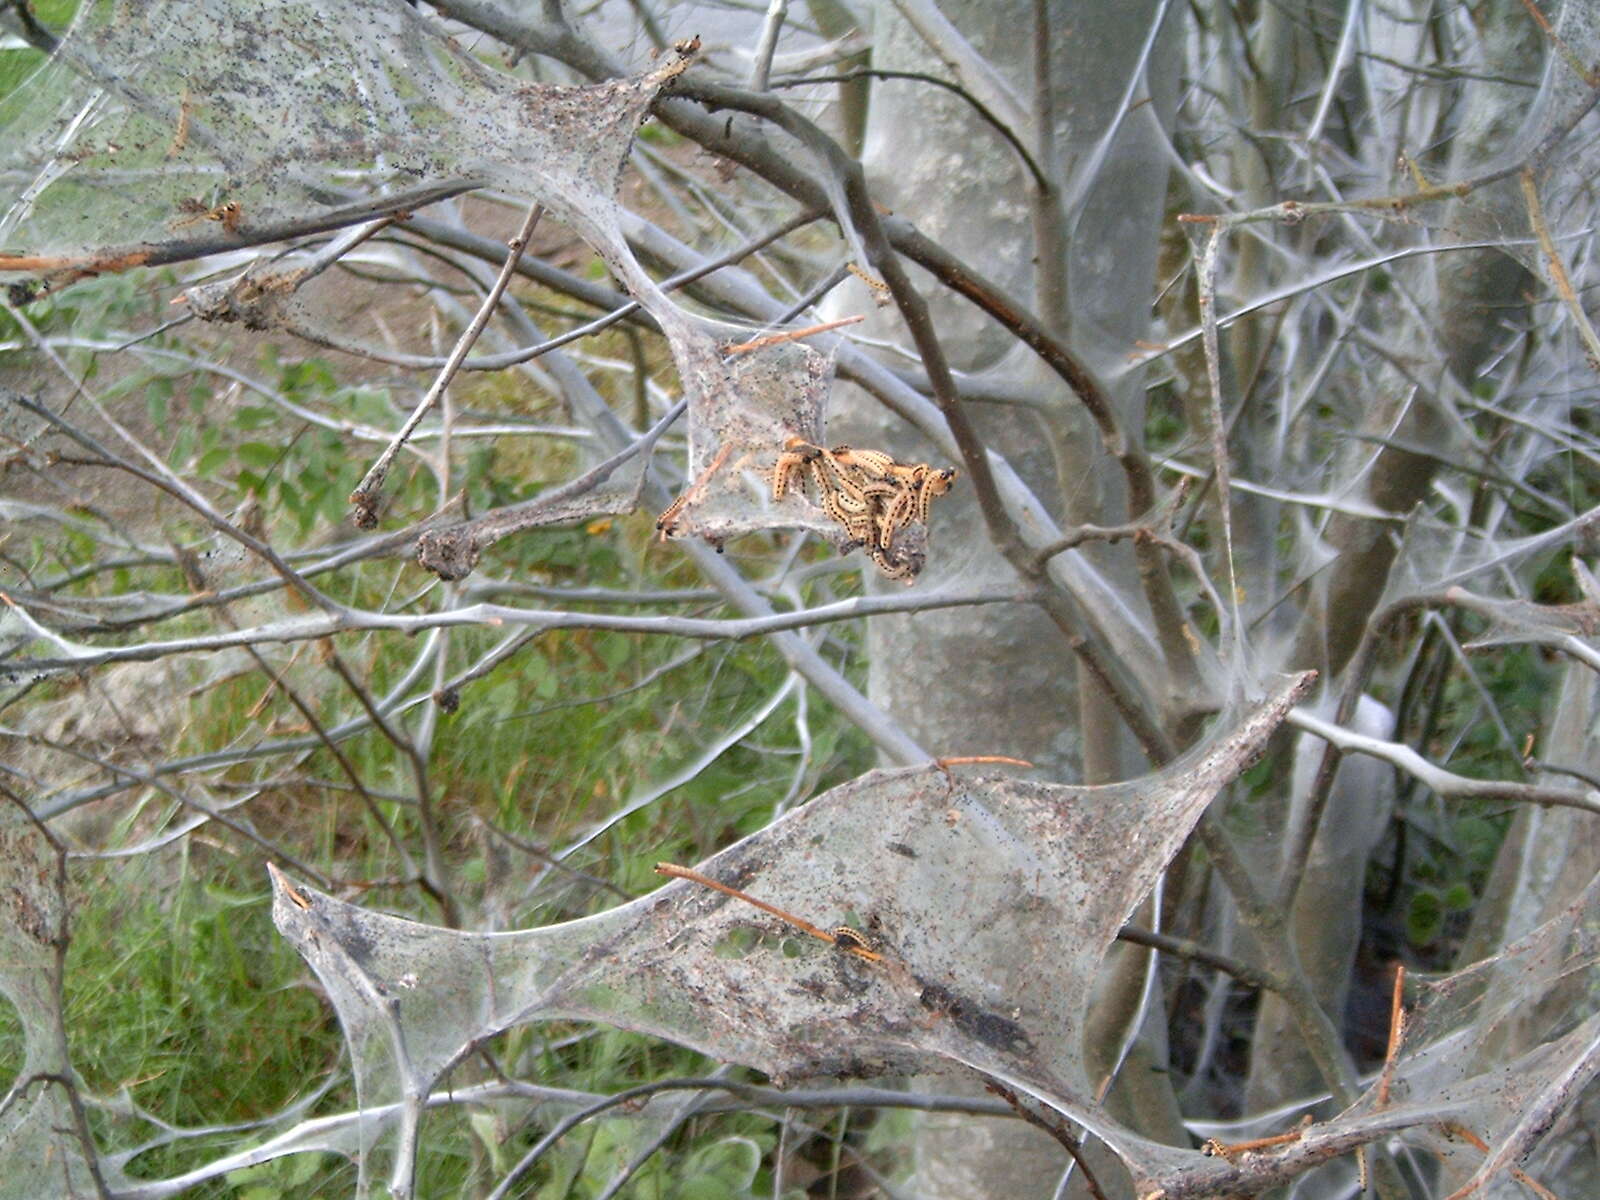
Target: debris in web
(1434, 556)
(452, 552)
(216, 121)
(1490, 1066)
(1568, 627)
(1561, 132)
(219, 124)
(1495, 1053)
(41, 1142)
(742, 411)
(942, 876)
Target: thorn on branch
(666, 522)
(1231, 1152)
(792, 335)
(1456, 1129)
(1397, 1031)
(841, 937)
(1154, 528)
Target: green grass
(175, 967)
(18, 63)
(181, 995)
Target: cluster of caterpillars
(874, 497)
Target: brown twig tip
(668, 520)
(1397, 1031)
(1230, 1151)
(1539, 18)
(1051, 1124)
(961, 760)
(843, 937)
(1456, 1129)
(790, 335)
(288, 889)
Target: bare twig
(1054, 1126)
(1205, 287)
(58, 936)
(790, 335)
(1584, 72)
(435, 879)
(453, 551)
(982, 110)
(1269, 926)
(1002, 528)
(1397, 1032)
(975, 72)
(1186, 948)
(311, 627)
(56, 271)
(1443, 782)
(1456, 1129)
(159, 475)
(619, 308)
(369, 491)
(767, 45)
(34, 33)
(1557, 269)
(850, 941)
(1293, 212)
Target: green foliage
(1448, 850)
(1424, 917)
(11, 1047)
(1430, 908)
(19, 62)
(724, 1170)
(174, 965)
(280, 1179)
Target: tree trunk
(1464, 294)
(931, 159)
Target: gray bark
(1548, 857)
(1463, 296)
(1327, 914)
(1470, 293)
(931, 160)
